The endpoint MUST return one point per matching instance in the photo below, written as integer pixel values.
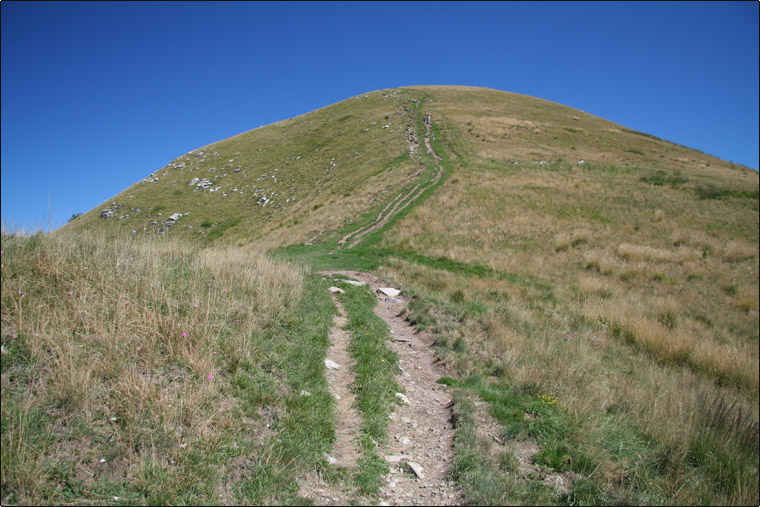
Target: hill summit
(296, 180)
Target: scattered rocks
(111, 210)
(203, 184)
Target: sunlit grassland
(152, 372)
(623, 287)
(634, 301)
(668, 266)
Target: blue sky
(96, 96)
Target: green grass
(307, 430)
(374, 385)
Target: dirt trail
(401, 202)
(421, 431)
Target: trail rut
(401, 201)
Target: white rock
(389, 291)
(332, 364)
(416, 468)
(330, 459)
(402, 397)
(355, 283)
(396, 459)
(336, 290)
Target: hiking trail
(401, 201)
(420, 432)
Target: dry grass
(593, 286)
(631, 252)
(122, 343)
(667, 313)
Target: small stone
(355, 283)
(395, 459)
(416, 468)
(330, 459)
(332, 364)
(393, 300)
(336, 290)
(405, 440)
(305, 393)
(389, 291)
(403, 398)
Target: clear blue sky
(96, 96)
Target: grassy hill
(593, 289)
(299, 178)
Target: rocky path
(401, 202)
(421, 434)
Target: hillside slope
(319, 171)
(593, 289)
(246, 186)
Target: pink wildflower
(570, 337)
(184, 335)
(209, 376)
(71, 293)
